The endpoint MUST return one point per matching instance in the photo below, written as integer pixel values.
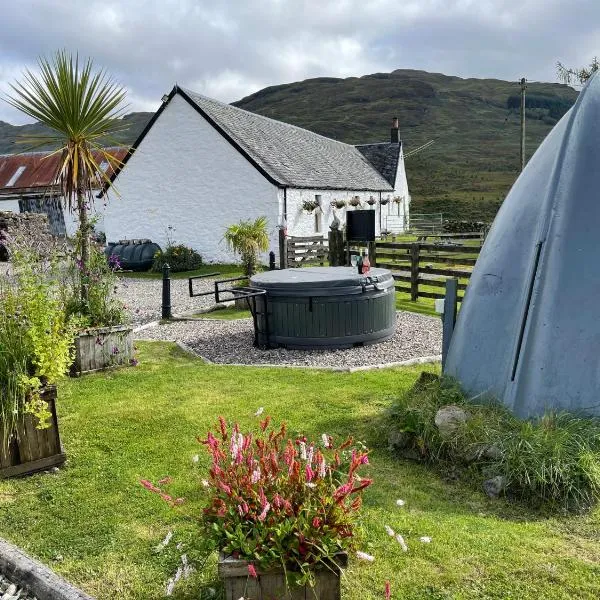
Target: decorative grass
(94, 523)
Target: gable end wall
(187, 176)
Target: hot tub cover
(321, 281)
(528, 332)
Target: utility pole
(523, 88)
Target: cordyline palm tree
(248, 239)
(80, 105)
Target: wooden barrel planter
(271, 584)
(31, 449)
(102, 348)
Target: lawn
(94, 523)
(223, 270)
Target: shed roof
(286, 155)
(35, 171)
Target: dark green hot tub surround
(325, 307)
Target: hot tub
(324, 307)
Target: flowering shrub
(179, 258)
(273, 500)
(102, 306)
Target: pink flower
(388, 591)
(252, 571)
(255, 478)
(310, 474)
(263, 514)
(316, 522)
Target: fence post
(271, 261)
(373, 253)
(166, 293)
(336, 252)
(449, 316)
(282, 248)
(414, 272)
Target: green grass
(224, 270)
(93, 523)
(229, 314)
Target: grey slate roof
(384, 157)
(290, 155)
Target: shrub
(248, 239)
(179, 258)
(36, 334)
(551, 460)
(280, 501)
(100, 305)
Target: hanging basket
(309, 206)
(338, 204)
(384, 201)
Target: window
(16, 176)
(104, 166)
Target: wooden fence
(304, 251)
(419, 269)
(415, 266)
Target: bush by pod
(282, 511)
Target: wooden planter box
(271, 585)
(102, 348)
(32, 449)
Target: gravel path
(230, 342)
(143, 297)
(10, 591)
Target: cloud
(233, 48)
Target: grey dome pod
(528, 332)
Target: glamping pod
(528, 332)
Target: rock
(398, 440)
(492, 452)
(449, 418)
(495, 486)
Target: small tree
(570, 76)
(81, 107)
(248, 239)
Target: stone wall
(31, 226)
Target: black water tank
(134, 255)
(360, 225)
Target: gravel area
(143, 297)
(10, 591)
(230, 342)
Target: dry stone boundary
(28, 579)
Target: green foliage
(102, 308)
(180, 258)
(553, 460)
(36, 334)
(248, 239)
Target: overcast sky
(229, 49)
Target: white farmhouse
(201, 165)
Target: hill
(475, 124)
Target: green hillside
(475, 158)
(475, 124)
